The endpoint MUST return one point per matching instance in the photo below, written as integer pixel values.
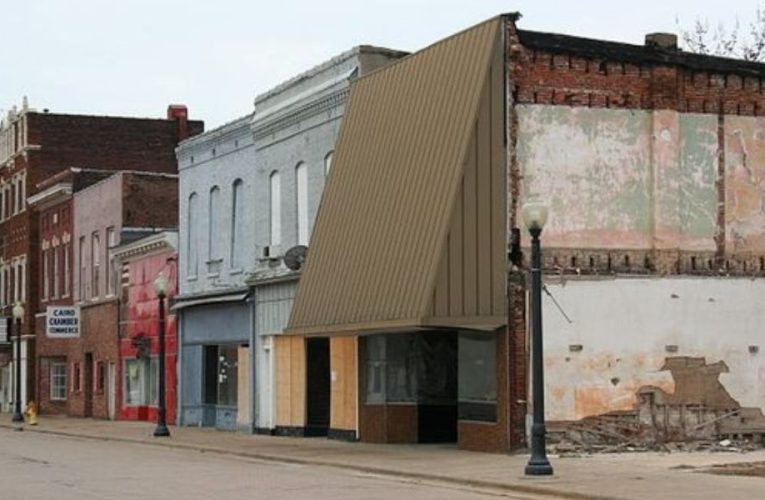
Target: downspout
(254, 345)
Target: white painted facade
(622, 330)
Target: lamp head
(18, 311)
(160, 285)
(534, 214)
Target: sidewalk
(621, 476)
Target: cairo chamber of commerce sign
(63, 322)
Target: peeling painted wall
(745, 184)
(623, 330)
(633, 179)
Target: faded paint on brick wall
(644, 180)
(745, 184)
(597, 185)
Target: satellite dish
(295, 257)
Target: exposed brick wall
(150, 201)
(564, 78)
(113, 143)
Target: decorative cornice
(156, 243)
(273, 125)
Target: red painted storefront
(140, 320)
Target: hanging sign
(62, 322)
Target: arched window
(328, 162)
(301, 192)
(213, 243)
(237, 214)
(192, 252)
(275, 209)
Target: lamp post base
(161, 431)
(18, 417)
(539, 468)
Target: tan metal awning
(411, 228)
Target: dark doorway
(317, 387)
(88, 385)
(437, 387)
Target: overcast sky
(133, 57)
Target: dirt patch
(751, 469)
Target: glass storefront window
(141, 381)
(477, 376)
(228, 375)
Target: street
(35, 466)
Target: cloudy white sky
(133, 57)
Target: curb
(381, 471)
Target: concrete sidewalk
(621, 476)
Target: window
(81, 273)
(76, 377)
(328, 162)
(477, 385)
(45, 274)
(55, 274)
(221, 375)
(100, 372)
(111, 272)
(275, 209)
(95, 264)
(301, 181)
(192, 252)
(213, 242)
(237, 214)
(57, 381)
(67, 277)
(141, 379)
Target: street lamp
(18, 315)
(535, 216)
(160, 287)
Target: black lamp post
(160, 287)
(535, 216)
(18, 314)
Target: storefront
(215, 361)
(406, 280)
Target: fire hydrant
(31, 413)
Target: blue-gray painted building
(249, 191)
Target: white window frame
(58, 377)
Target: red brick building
(79, 373)
(36, 145)
(142, 261)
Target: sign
(62, 322)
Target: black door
(317, 387)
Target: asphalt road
(38, 466)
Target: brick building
(141, 262)
(119, 209)
(36, 145)
(651, 161)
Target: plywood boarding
(470, 288)
(243, 387)
(290, 381)
(382, 228)
(343, 352)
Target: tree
(746, 43)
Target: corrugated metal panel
(471, 284)
(385, 216)
(274, 303)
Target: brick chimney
(667, 41)
(179, 113)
